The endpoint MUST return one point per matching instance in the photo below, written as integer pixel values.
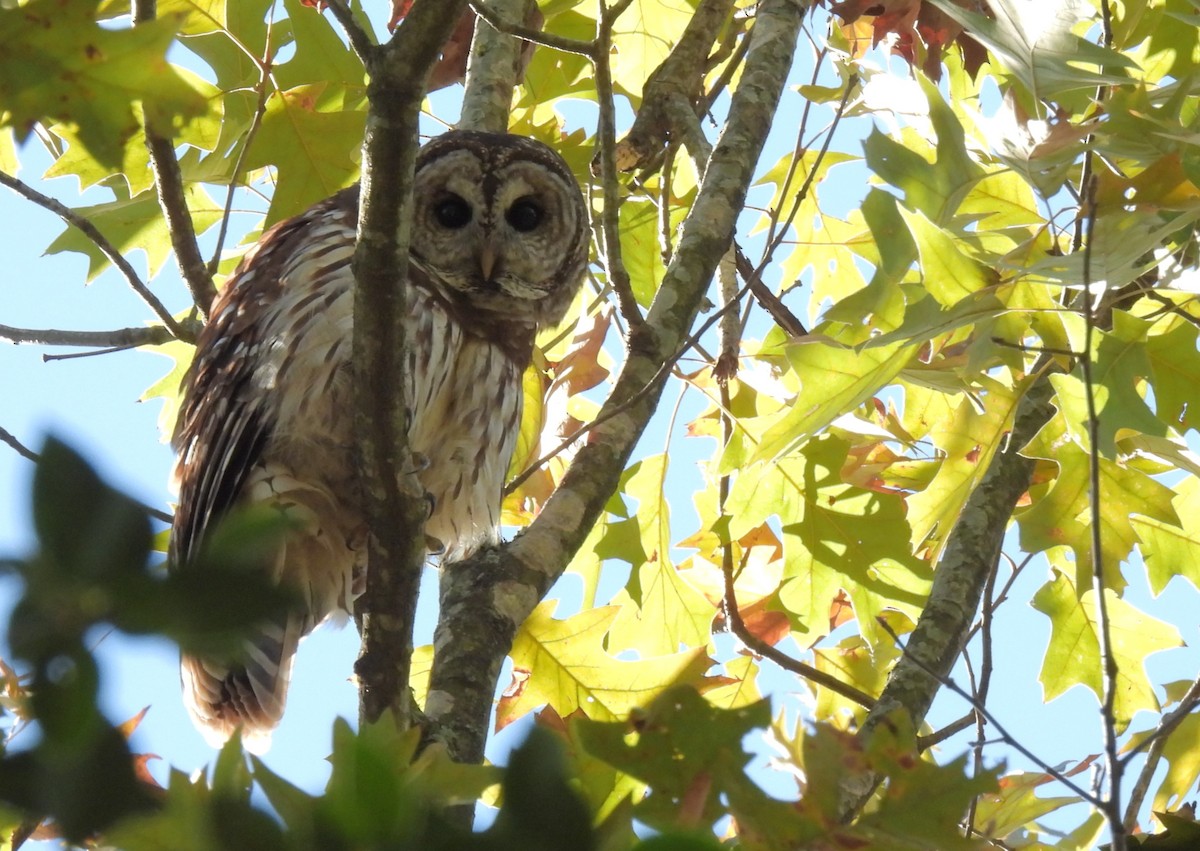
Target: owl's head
(499, 221)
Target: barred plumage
(500, 243)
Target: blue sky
(93, 404)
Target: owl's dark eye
(452, 212)
(524, 215)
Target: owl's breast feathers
(267, 417)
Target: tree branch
(168, 183)
(25, 452)
(361, 39)
(1156, 741)
(394, 499)
(492, 69)
(608, 228)
(971, 553)
(1060, 776)
(124, 338)
(493, 16)
(486, 597)
(21, 449)
(106, 248)
(260, 110)
(674, 87)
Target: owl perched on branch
(499, 247)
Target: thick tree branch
(486, 597)
(394, 500)
(168, 183)
(492, 68)
(106, 248)
(970, 556)
(673, 87)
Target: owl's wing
(224, 419)
(227, 420)
(230, 402)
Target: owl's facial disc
(500, 221)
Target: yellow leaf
(563, 663)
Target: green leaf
(968, 439)
(313, 141)
(679, 742)
(57, 63)
(1063, 516)
(890, 249)
(1015, 804)
(296, 807)
(947, 272)
(918, 807)
(202, 132)
(1169, 549)
(642, 38)
(541, 812)
(1039, 46)
(135, 223)
(1073, 655)
(855, 662)
(936, 188)
(88, 531)
(834, 379)
(1182, 753)
(836, 536)
(1174, 368)
(167, 388)
(640, 248)
(1119, 369)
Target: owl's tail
(317, 559)
(249, 693)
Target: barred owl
(499, 247)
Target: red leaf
(141, 772)
(520, 676)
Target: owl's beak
(487, 261)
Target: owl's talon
(434, 545)
(431, 501)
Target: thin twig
(239, 165)
(991, 719)
(361, 40)
(1157, 741)
(172, 200)
(556, 42)
(25, 452)
(125, 338)
(22, 450)
(733, 615)
(1109, 669)
(609, 226)
(985, 679)
(951, 729)
(106, 248)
